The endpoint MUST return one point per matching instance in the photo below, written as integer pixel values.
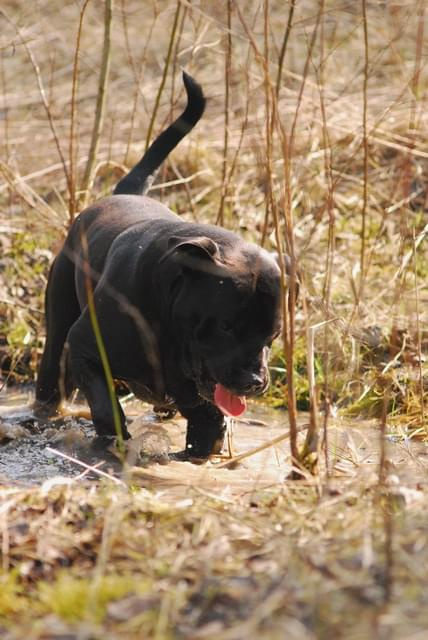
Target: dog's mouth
(228, 403)
(231, 399)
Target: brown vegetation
(314, 141)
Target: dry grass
(330, 163)
(217, 561)
(344, 154)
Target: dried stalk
(5, 111)
(30, 197)
(417, 67)
(305, 75)
(100, 106)
(262, 447)
(138, 72)
(288, 310)
(365, 157)
(88, 468)
(284, 44)
(309, 454)
(227, 72)
(330, 243)
(384, 497)
(269, 123)
(164, 73)
(289, 317)
(238, 147)
(172, 102)
(72, 152)
(418, 333)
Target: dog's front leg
(89, 378)
(206, 429)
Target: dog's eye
(226, 326)
(205, 329)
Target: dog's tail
(139, 179)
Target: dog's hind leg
(90, 379)
(62, 310)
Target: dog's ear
(199, 247)
(197, 253)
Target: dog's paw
(102, 444)
(187, 456)
(164, 412)
(44, 410)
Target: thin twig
(418, 333)
(384, 498)
(305, 74)
(5, 108)
(328, 162)
(90, 468)
(101, 101)
(164, 73)
(365, 156)
(72, 152)
(284, 45)
(29, 196)
(312, 444)
(417, 68)
(227, 72)
(258, 449)
(138, 69)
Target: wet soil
(32, 452)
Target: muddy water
(24, 441)
(32, 452)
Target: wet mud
(32, 451)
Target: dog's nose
(258, 383)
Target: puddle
(25, 443)
(32, 452)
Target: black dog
(186, 312)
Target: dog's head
(224, 307)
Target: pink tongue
(229, 404)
